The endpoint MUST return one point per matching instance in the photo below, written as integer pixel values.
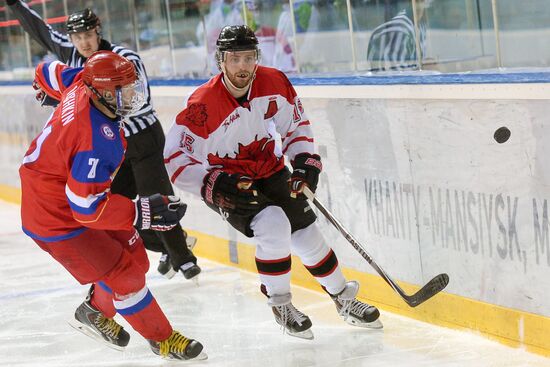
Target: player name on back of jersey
(68, 109)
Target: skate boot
(190, 270)
(178, 347)
(294, 322)
(92, 323)
(353, 311)
(165, 267)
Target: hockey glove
(11, 2)
(306, 170)
(159, 212)
(43, 97)
(232, 193)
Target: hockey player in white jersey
(229, 145)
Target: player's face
(86, 42)
(239, 67)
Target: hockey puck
(502, 134)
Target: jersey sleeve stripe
(175, 155)
(296, 140)
(290, 133)
(179, 171)
(53, 75)
(84, 205)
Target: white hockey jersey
(215, 131)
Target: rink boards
(414, 173)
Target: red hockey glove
(306, 170)
(159, 212)
(232, 193)
(43, 97)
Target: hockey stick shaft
(429, 290)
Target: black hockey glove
(232, 193)
(159, 212)
(306, 170)
(11, 2)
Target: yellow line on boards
(10, 194)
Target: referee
(392, 45)
(142, 172)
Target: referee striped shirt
(60, 45)
(392, 45)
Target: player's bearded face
(86, 42)
(240, 66)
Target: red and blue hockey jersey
(68, 169)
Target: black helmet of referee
(82, 21)
(235, 38)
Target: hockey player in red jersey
(68, 210)
(142, 171)
(228, 145)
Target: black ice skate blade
(91, 334)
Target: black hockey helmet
(236, 38)
(82, 21)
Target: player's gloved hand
(159, 212)
(232, 193)
(306, 170)
(11, 2)
(43, 97)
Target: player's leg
(118, 271)
(134, 301)
(151, 177)
(321, 261)
(271, 230)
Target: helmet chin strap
(103, 101)
(233, 89)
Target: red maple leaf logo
(255, 160)
(196, 114)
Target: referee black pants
(143, 173)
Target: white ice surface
(227, 313)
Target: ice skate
(294, 322)
(191, 271)
(353, 311)
(178, 347)
(92, 323)
(165, 266)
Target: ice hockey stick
(429, 290)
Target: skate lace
(107, 326)
(290, 314)
(352, 307)
(176, 343)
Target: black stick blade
(434, 286)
